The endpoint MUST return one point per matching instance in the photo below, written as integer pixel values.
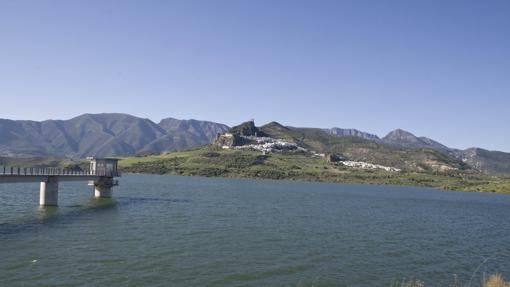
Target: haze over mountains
(102, 135)
(121, 134)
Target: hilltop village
(248, 137)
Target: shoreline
(309, 180)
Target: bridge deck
(100, 175)
(49, 171)
(34, 174)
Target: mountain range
(495, 162)
(103, 135)
(122, 134)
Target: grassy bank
(215, 162)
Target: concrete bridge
(100, 176)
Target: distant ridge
(494, 162)
(109, 134)
(351, 132)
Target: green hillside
(359, 149)
(213, 161)
(419, 167)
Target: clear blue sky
(436, 68)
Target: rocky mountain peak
(247, 129)
(402, 138)
(399, 135)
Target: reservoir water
(192, 231)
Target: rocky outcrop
(247, 129)
(333, 157)
(351, 133)
(229, 140)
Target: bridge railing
(53, 171)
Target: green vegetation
(212, 161)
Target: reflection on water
(95, 202)
(47, 215)
(153, 199)
(46, 212)
(182, 231)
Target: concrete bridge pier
(103, 187)
(48, 194)
(100, 176)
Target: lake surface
(191, 231)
